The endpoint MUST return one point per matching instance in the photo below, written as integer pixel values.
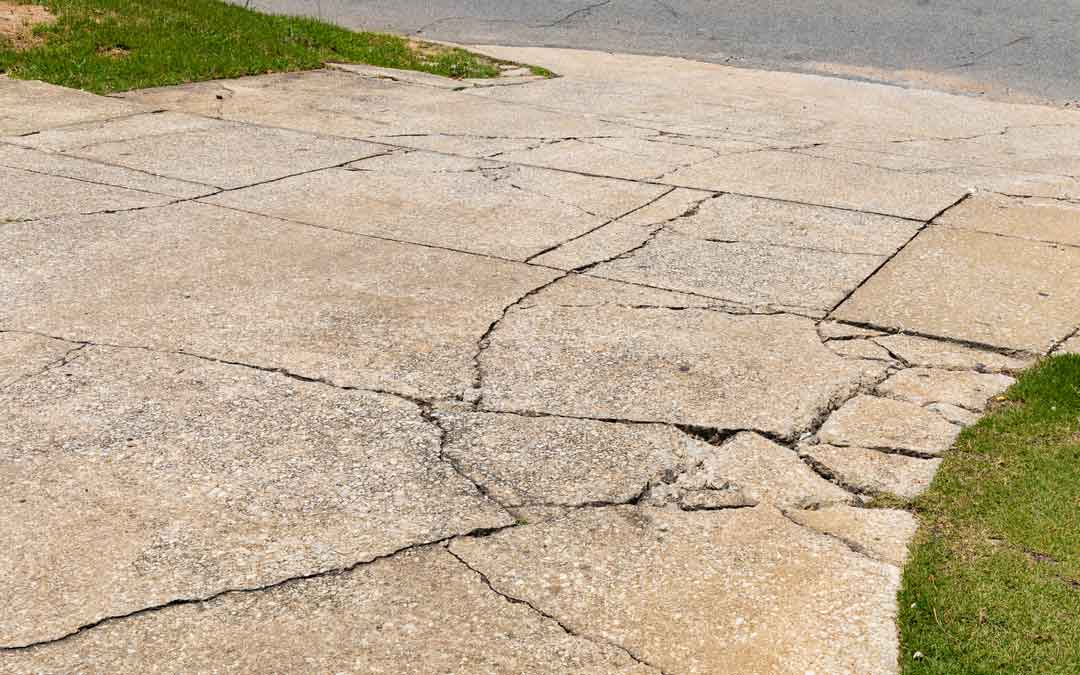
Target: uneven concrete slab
(751, 274)
(1037, 219)
(955, 414)
(734, 218)
(977, 287)
(633, 158)
(343, 104)
(553, 461)
(917, 351)
(823, 181)
(879, 533)
(699, 367)
(28, 195)
(389, 616)
(23, 355)
(859, 349)
(923, 386)
(887, 424)
(762, 471)
(29, 106)
(871, 471)
(73, 137)
(230, 155)
(357, 311)
(206, 477)
(88, 171)
(467, 205)
(742, 590)
(581, 290)
(834, 330)
(606, 197)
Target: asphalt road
(1005, 49)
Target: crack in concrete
(329, 572)
(583, 11)
(551, 617)
(67, 357)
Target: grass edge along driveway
(106, 46)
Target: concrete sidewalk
(358, 371)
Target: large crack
(329, 572)
(550, 617)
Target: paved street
(998, 48)
(366, 371)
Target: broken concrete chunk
(919, 351)
(859, 349)
(871, 471)
(692, 366)
(954, 414)
(879, 533)
(834, 330)
(389, 616)
(763, 472)
(882, 423)
(734, 591)
(183, 478)
(538, 461)
(923, 386)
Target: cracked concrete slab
(1037, 219)
(742, 590)
(888, 424)
(467, 205)
(344, 104)
(228, 155)
(554, 461)
(633, 158)
(873, 472)
(976, 287)
(206, 477)
(734, 218)
(28, 195)
(879, 533)
(1070, 346)
(23, 355)
(356, 311)
(64, 166)
(389, 616)
(692, 366)
(72, 137)
(924, 386)
(746, 273)
(827, 182)
(918, 351)
(762, 471)
(859, 349)
(30, 106)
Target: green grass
(115, 45)
(993, 583)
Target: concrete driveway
(364, 371)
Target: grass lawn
(115, 45)
(993, 583)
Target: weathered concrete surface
(24, 354)
(554, 461)
(742, 590)
(871, 471)
(763, 472)
(883, 423)
(978, 287)
(29, 106)
(698, 367)
(406, 244)
(184, 478)
(878, 533)
(387, 617)
(356, 311)
(1038, 219)
(1070, 346)
(917, 351)
(467, 205)
(964, 389)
